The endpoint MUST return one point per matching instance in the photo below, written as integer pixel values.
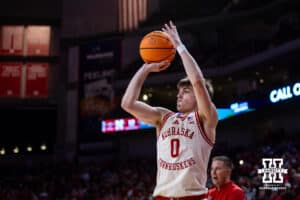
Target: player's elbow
(125, 104)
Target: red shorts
(199, 197)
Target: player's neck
(185, 113)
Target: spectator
(220, 172)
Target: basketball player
(184, 139)
(225, 189)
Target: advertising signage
(285, 92)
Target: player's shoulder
(165, 115)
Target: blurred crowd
(72, 181)
(248, 161)
(135, 179)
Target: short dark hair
(227, 161)
(186, 82)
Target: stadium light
(145, 97)
(29, 149)
(241, 162)
(43, 147)
(2, 151)
(16, 150)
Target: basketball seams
(149, 61)
(145, 48)
(166, 37)
(167, 40)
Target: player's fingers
(172, 24)
(164, 62)
(167, 27)
(158, 64)
(161, 68)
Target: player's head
(186, 101)
(220, 170)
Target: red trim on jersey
(198, 197)
(181, 116)
(202, 131)
(163, 121)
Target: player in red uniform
(224, 189)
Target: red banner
(10, 79)
(37, 80)
(11, 42)
(38, 40)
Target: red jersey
(229, 191)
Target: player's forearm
(133, 90)
(196, 78)
(191, 67)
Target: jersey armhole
(163, 121)
(202, 131)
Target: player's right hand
(156, 66)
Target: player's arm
(206, 108)
(139, 109)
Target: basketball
(156, 46)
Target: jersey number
(175, 147)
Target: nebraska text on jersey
(183, 151)
(177, 131)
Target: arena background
(64, 66)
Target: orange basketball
(156, 46)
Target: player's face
(186, 101)
(220, 174)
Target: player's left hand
(171, 30)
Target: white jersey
(183, 151)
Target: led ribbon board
(275, 96)
(285, 93)
(127, 124)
